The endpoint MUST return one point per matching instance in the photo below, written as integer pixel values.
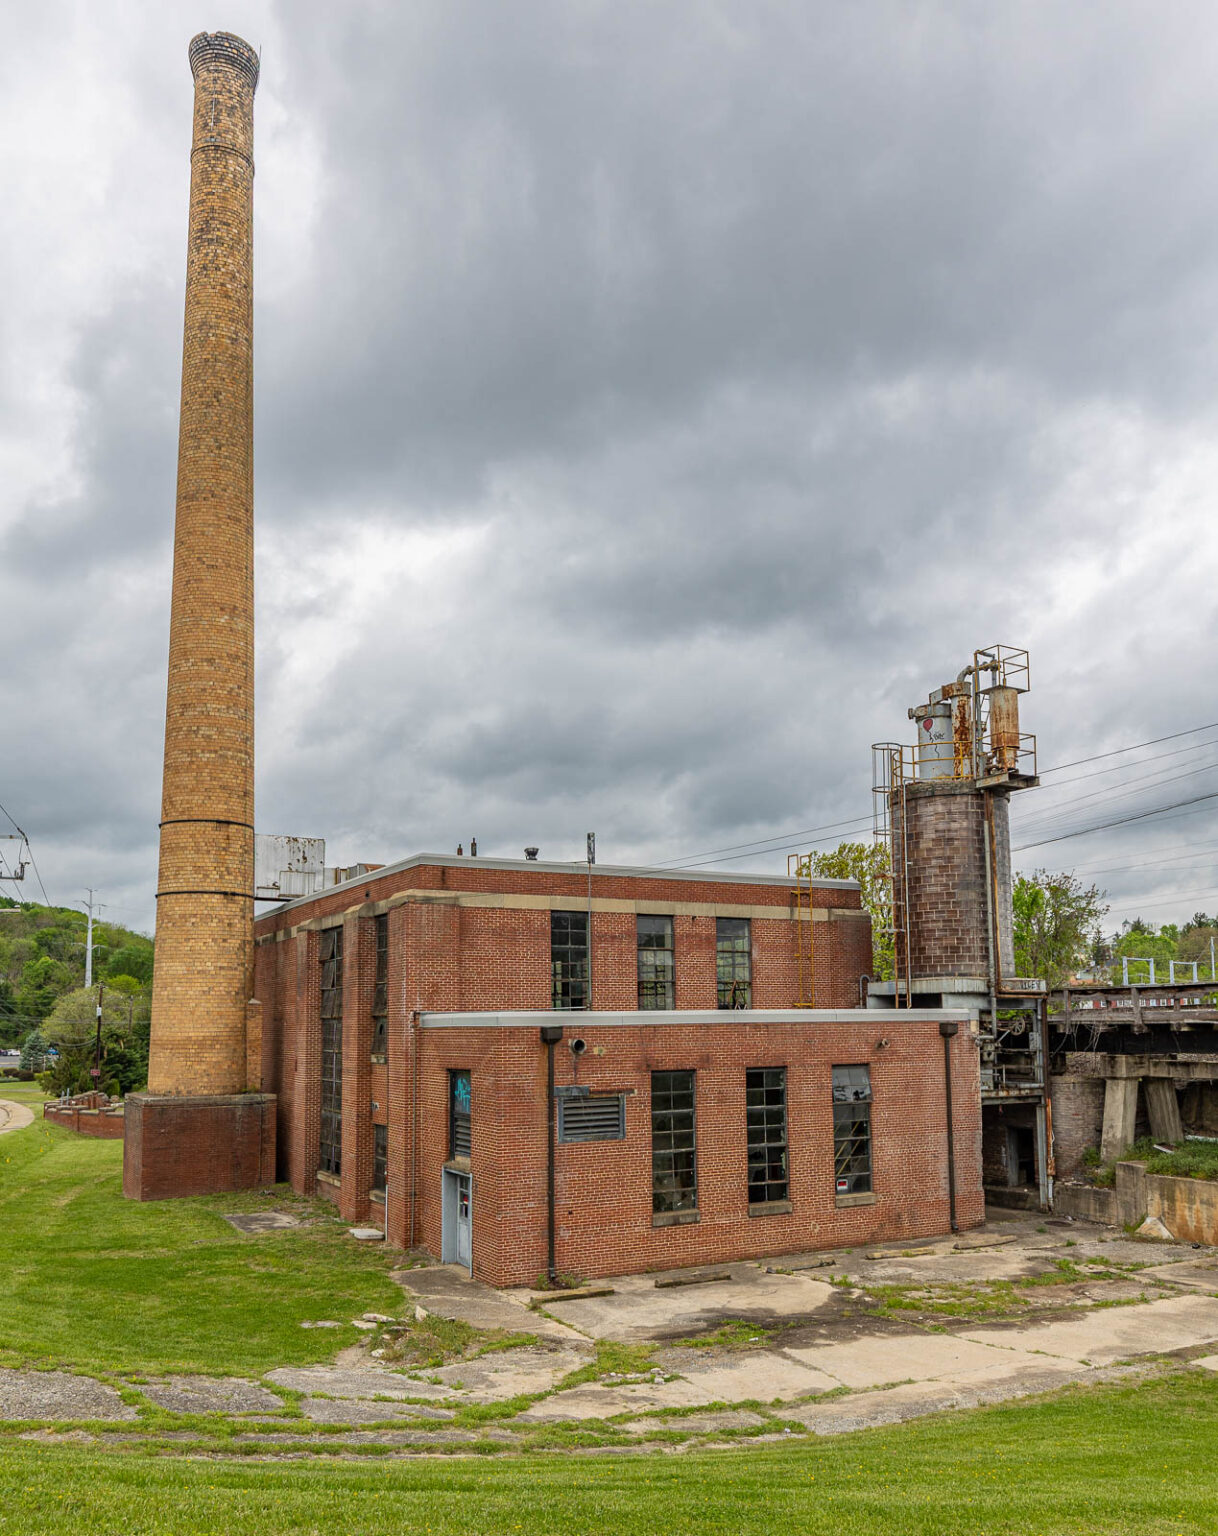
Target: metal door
(464, 1221)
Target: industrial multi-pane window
(331, 949)
(599, 1117)
(459, 1137)
(674, 1175)
(655, 962)
(568, 959)
(734, 961)
(765, 1095)
(852, 1130)
(380, 991)
(380, 1156)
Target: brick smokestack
(205, 906)
(190, 1132)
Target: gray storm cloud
(652, 403)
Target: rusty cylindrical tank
(204, 932)
(940, 868)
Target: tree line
(1058, 924)
(47, 1011)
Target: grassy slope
(1122, 1461)
(93, 1280)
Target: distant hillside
(42, 956)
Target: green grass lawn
(91, 1280)
(1138, 1461)
(22, 1093)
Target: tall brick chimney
(200, 1128)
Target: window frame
(734, 963)
(458, 1118)
(651, 986)
(380, 1159)
(767, 1137)
(853, 1158)
(569, 974)
(330, 1133)
(380, 990)
(669, 1158)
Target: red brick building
(414, 1019)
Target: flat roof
(877, 1019)
(601, 871)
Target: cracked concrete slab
(449, 1292)
(510, 1372)
(596, 1402)
(58, 1395)
(1196, 1274)
(893, 1405)
(331, 1410)
(261, 1221)
(877, 1362)
(762, 1376)
(638, 1311)
(699, 1423)
(366, 1383)
(1100, 1338)
(209, 1394)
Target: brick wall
(1078, 1120)
(604, 1207)
(447, 955)
(942, 829)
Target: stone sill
(771, 1208)
(675, 1218)
(377, 1196)
(457, 1165)
(844, 1200)
(378, 1061)
(329, 1178)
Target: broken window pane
(674, 1184)
(766, 1112)
(852, 1130)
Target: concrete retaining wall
(1188, 1208)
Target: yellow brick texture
(204, 937)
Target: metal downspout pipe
(948, 1031)
(551, 1034)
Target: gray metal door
(464, 1220)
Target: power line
(1060, 816)
(778, 837)
(1117, 751)
(1119, 822)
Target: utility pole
(89, 908)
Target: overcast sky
(653, 402)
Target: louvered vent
(602, 1118)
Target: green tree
(868, 864)
(1194, 944)
(131, 960)
(43, 982)
(1057, 921)
(1143, 941)
(34, 1051)
(72, 1030)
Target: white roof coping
(599, 871)
(647, 1018)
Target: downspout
(948, 1031)
(551, 1034)
(414, 1123)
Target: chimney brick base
(209, 1144)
